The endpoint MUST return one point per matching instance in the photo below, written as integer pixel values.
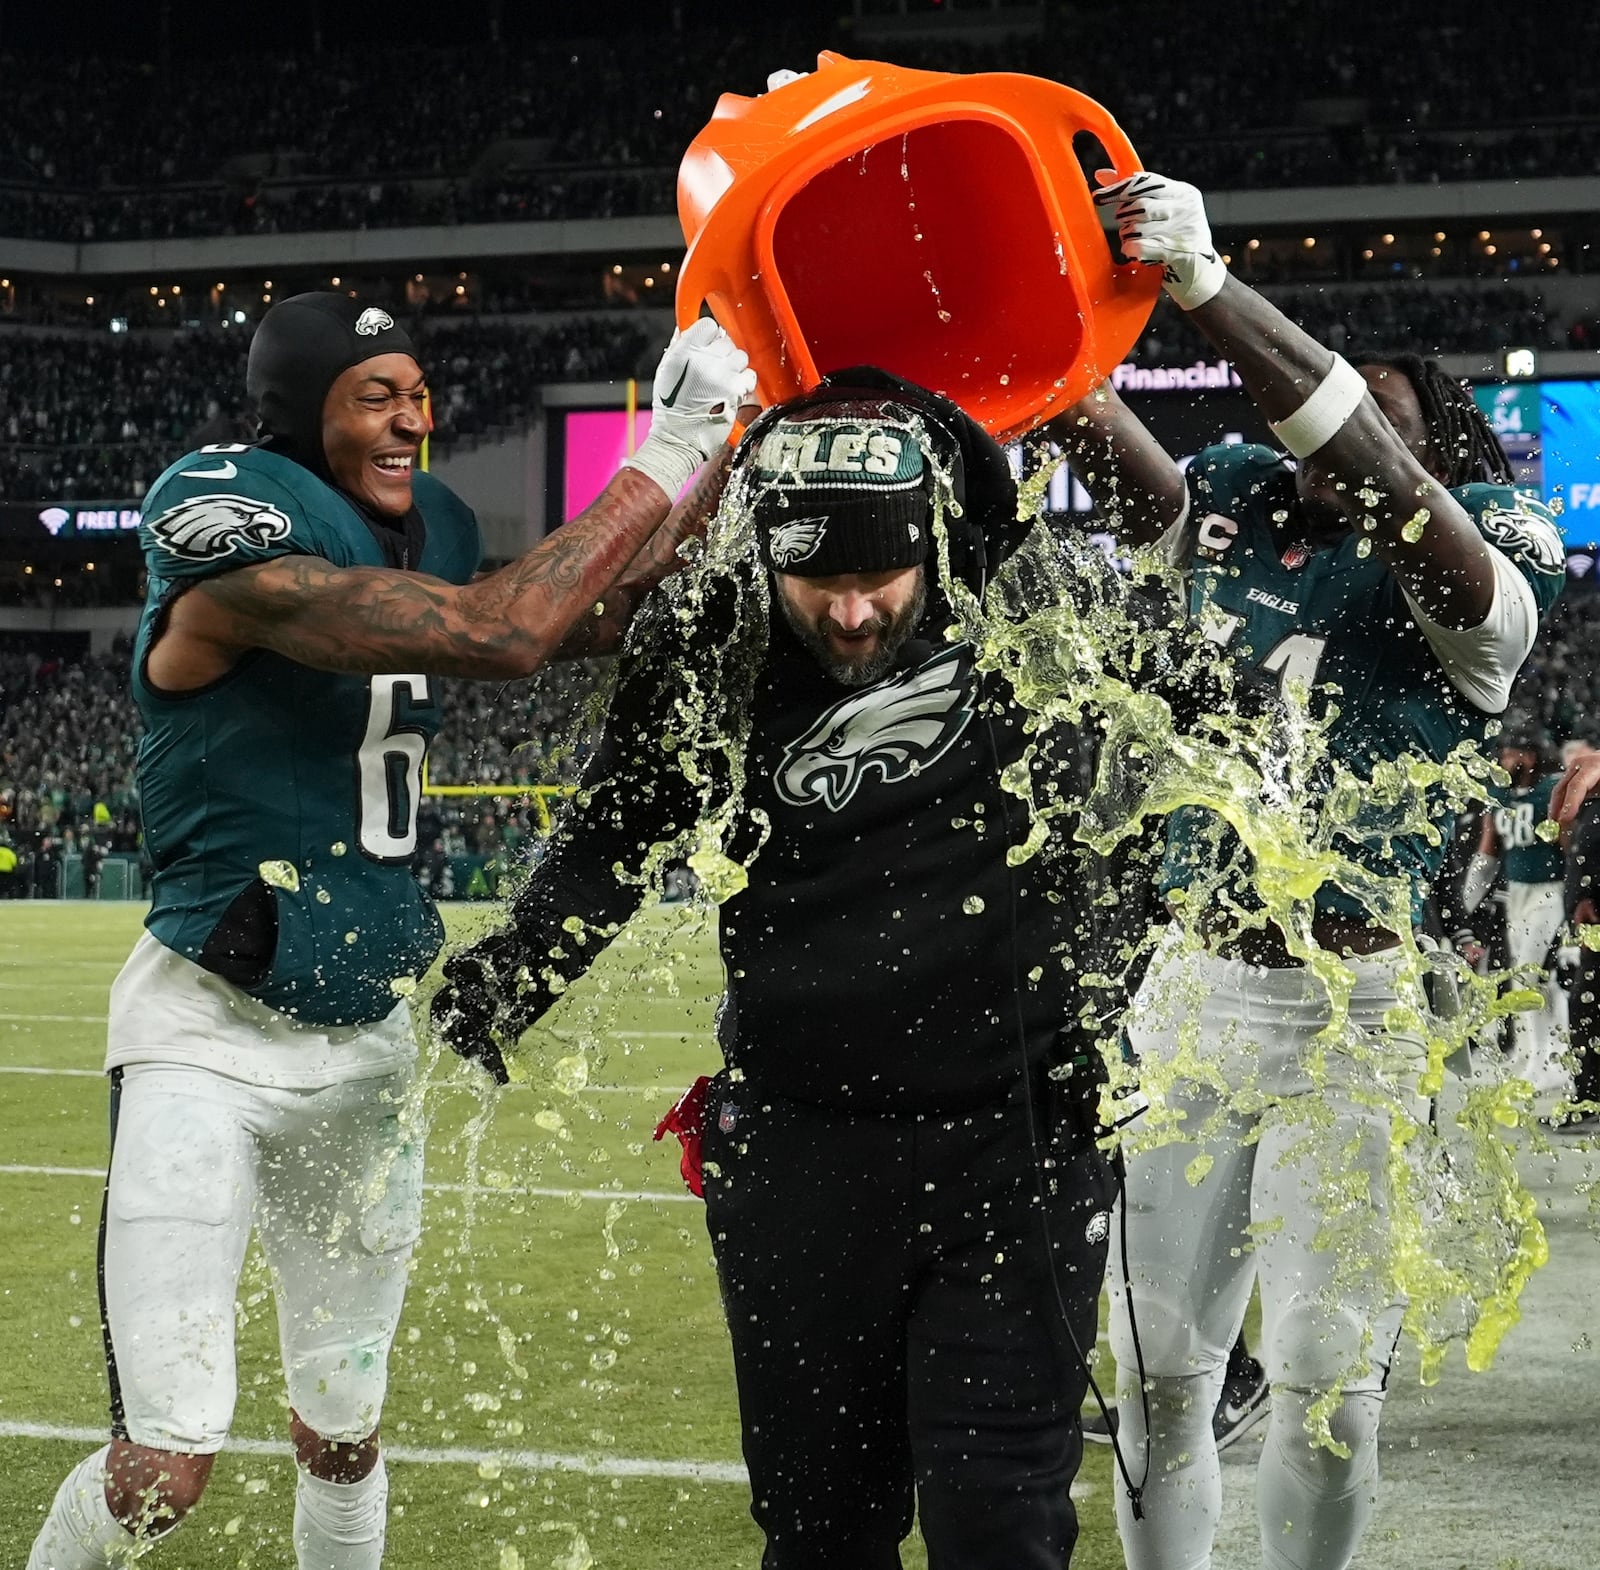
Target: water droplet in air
(972, 905)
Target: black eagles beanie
(303, 345)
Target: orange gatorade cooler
(936, 225)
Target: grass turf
(536, 1322)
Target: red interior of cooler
(930, 254)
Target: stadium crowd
(1466, 318)
(101, 417)
(551, 128)
(69, 735)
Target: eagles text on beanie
(842, 488)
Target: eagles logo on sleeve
(203, 528)
(1522, 532)
(893, 730)
(793, 542)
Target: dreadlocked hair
(1457, 429)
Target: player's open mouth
(397, 464)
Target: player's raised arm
(600, 632)
(1359, 434)
(372, 620)
(1136, 484)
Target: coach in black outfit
(907, 1208)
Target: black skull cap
(302, 347)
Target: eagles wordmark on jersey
(1335, 623)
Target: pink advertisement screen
(597, 442)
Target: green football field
(561, 1387)
(561, 1392)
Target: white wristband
(1193, 279)
(671, 463)
(1322, 416)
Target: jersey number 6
(389, 770)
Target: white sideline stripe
(642, 1195)
(433, 1455)
(588, 1090)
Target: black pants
(1584, 1023)
(896, 1335)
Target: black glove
(483, 1005)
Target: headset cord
(1135, 1491)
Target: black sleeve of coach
(499, 986)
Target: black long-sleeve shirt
(883, 955)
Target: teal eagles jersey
(280, 791)
(1526, 857)
(1333, 617)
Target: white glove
(701, 381)
(1162, 223)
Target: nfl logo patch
(727, 1117)
(1297, 556)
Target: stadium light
(238, 317)
(1538, 234)
(88, 299)
(1438, 235)
(334, 282)
(1521, 363)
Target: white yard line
(8, 1017)
(52, 1019)
(666, 1088)
(648, 1196)
(451, 1455)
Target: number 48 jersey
(280, 802)
(1337, 618)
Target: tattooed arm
(600, 631)
(371, 619)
